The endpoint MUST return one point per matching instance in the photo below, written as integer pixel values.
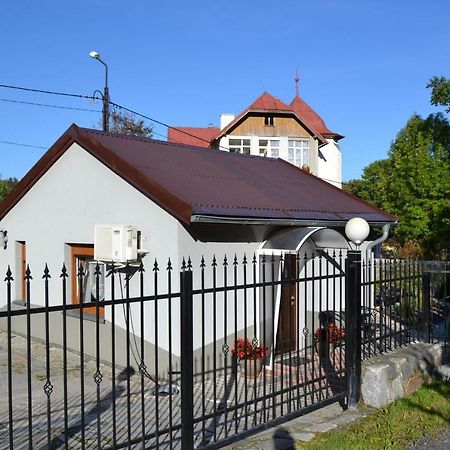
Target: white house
(269, 127)
(182, 201)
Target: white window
(87, 283)
(89, 289)
(298, 152)
(269, 146)
(239, 145)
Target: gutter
(195, 218)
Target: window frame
(303, 148)
(269, 121)
(78, 251)
(242, 147)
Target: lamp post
(105, 95)
(357, 231)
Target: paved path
(120, 406)
(303, 428)
(439, 442)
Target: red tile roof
(200, 137)
(309, 116)
(188, 181)
(267, 102)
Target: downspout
(369, 266)
(380, 240)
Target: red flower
(244, 349)
(332, 332)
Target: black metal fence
(404, 301)
(113, 356)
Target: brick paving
(239, 403)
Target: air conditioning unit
(115, 243)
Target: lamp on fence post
(357, 231)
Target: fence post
(426, 304)
(187, 361)
(353, 327)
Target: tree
(123, 122)
(6, 186)
(413, 183)
(127, 123)
(440, 91)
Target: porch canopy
(310, 238)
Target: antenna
(297, 79)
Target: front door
(286, 334)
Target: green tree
(126, 123)
(440, 91)
(6, 185)
(413, 183)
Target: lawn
(396, 426)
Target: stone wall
(395, 375)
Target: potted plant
(327, 337)
(249, 356)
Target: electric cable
(49, 106)
(138, 363)
(22, 145)
(116, 105)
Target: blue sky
(363, 64)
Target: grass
(396, 426)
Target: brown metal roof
(188, 181)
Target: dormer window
(268, 121)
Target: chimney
(225, 119)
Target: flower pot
(324, 347)
(250, 368)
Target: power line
(116, 105)
(22, 145)
(41, 91)
(158, 122)
(48, 106)
(91, 97)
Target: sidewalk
(303, 428)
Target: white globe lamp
(357, 230)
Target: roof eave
(195, 218)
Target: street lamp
(105, 95)
(357, 230)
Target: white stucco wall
(78, 192)
(63, 207)
(329, 164)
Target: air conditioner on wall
(115, 243)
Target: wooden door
(286, 334)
